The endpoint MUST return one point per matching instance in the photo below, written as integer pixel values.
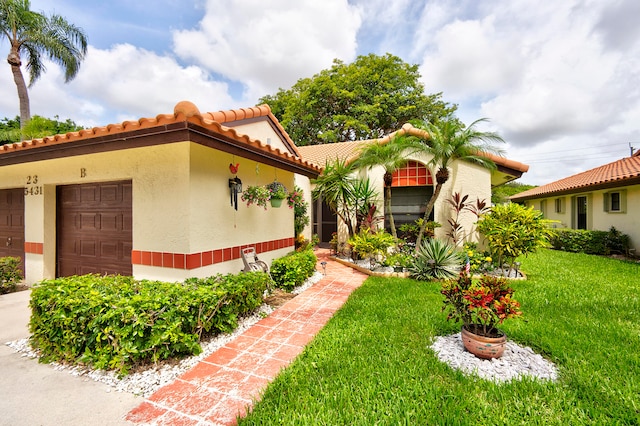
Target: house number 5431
(33, 188)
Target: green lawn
(372, 363)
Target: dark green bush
(10, 274)
(116, 322)
(293, 269)
(590, 242)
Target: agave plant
(435, 259)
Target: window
(412, 174)
(559, 203)
(615, 201)
(543, 207)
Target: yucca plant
(435, 259)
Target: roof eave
(634, 180)
(182, 131)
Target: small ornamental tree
(513, 230)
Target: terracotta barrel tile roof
(320, 154)
(184, 112)
(618, 173)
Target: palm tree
(391, 156)
(449, 141)
(336, 188)
(33, 35)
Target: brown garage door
(94, 229)
(12, 223)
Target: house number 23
(33, 188)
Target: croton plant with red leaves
(481, 305)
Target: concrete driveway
(35, 394)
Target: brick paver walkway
(225, 384)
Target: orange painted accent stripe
(198, 260)
(33, 248)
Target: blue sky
(560, 81)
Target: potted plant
(258, 195)
(481, 305)
(277, 193)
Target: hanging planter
(258, 195)
(277, 193)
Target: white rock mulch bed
(515, 363)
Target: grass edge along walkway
(225, 384)
(371, 364)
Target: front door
(581, 208)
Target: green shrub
(514, 230)
(409, 231)
(590, 242)
(115, 322)
(367, 244)
(435, 259)
(399, 260)
(293, 269)
(10, 274)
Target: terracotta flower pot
(484, 347)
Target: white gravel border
(516, 362)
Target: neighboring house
(412, 185)
(149, 198)
(597, 199)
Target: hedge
(293, 269)
(590, 242)
(116, 322)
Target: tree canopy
(37, 127)
(367, 99)
(501, 194)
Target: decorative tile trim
(33, 248)
(198, 260)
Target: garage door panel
(95, 229)
(110, 194)
(111, 222)
(88, 222)
(12, 223)
(110, 250)
(87, 248)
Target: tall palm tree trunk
(23, 95)
(392, 223)
(427, 213)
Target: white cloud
(268, 45)
(472, 60)
(124, 83)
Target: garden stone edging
(369, 271)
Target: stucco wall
(181, 204)
(262, 131)
(216, 224)
(627, 222)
